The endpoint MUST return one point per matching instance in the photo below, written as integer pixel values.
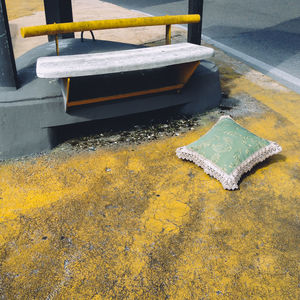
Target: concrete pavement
(135, 222)
(264, 34)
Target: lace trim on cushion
(229, 182)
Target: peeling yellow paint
(132, 224)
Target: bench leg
(185, 71)
(65, 87)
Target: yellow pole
(68, 90)
(53, 29)
(56, 43)
(168, 34)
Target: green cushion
(227, 151)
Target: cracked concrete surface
(132, 221)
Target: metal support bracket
(92, 34)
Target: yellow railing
(54, 29)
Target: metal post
(8, 71)
(195, 30)
(58, 11)
(168, 34)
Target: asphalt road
(263, 33)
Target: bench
(98, 77)
(175, 62)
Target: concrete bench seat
(133, 69)
(120, 61)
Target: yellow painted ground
(156, 227)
